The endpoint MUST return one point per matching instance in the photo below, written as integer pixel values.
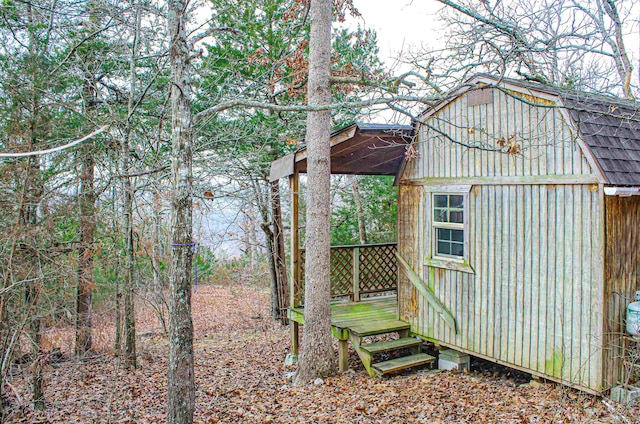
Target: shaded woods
(105, 242)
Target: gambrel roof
(609, 127)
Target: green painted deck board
(370, 328)
(380, 347)
(403, 363)
(369, 316)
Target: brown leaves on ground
(240, 377)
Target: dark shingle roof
(611, 129)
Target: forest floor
(241, 377)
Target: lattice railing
(358, 271)
(378, 268)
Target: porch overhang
(360, 148)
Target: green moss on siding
(432, 278)
(553, 365)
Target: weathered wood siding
(537, 249)
(622, 276)
(534, 301)
(410, 247)
(545, 141)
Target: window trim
(444, 261)
(437, 225)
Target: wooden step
(387, 346)
(403, 363)
(371, 328)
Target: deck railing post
(356, 274)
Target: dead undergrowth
(240, 377)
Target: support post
(356, 274)
(343, 347)
(343, 355)
(294, 185)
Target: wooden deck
(356, 316)
(357, 272)
(354, 321)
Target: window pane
(440, 215)
(444, 248)
(440, 200)
(444, 234)
(456, 201)
(449, 242)
(449, 209)
(456, 216)
(457, 249)
(457, 235)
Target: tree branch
(55, 149)
(306, 108)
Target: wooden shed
(518, 228)
(521, 216)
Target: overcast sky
(401, 23)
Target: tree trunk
(355, 188)
(265, 204)
(317, 359)
(129, 283)
(160, 303)
(34, 191)
(181, 389)
(4, 324)
(117, 345)
(86, 206)
(85, 253)
(87, 201)
(251, 237)
(129, 272)
(32, 300)
(623, 64)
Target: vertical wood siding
(546, 141)
(622, 276)
(535, 300)
(409, 200)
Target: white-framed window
(449, 225)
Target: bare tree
(127, 207)
(567, 43)
(181, 390)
